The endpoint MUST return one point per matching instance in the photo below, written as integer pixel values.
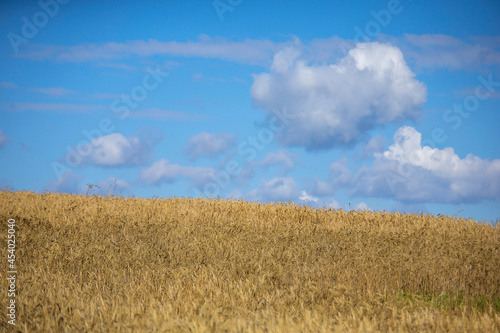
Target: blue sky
(385, 105)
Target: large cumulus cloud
(333, 105)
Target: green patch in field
(446, 301)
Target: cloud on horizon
(163, 171)
(411, 173)
(317, 202)
(66, 183)
(276, 189)
(113, 185)
(71, 183)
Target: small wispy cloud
(105, 96)
(53, 91)
(282, 158)
(117, 66)
(3, 139)
(67, 183)
(8, 85)
(276, 189)
(51, 107)
(209, 144)
(239, 80)
(163, 171)
(474, 91)
(199, 77)
(161, 114)
(249, 51)
(426, 50)
(442, 51)
(113, 185)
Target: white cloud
(282, 157)
(67, 183)
(317, 202)
(409, 172)
(416, 208)
(427, 50)
(339, 175)
(304, 196)
(115, 150)
(340, 172)
(249, 51)
(209, 145)
(276, 189)
(3, 139)
(322, 188)
(333, 203)
(235, 195)
(375, 145)
(113, 185)
(71, 183)
(361, 206)
(335, 105)
(162, 171)
(442, 51)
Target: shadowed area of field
(180, 264)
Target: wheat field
(117, 264)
